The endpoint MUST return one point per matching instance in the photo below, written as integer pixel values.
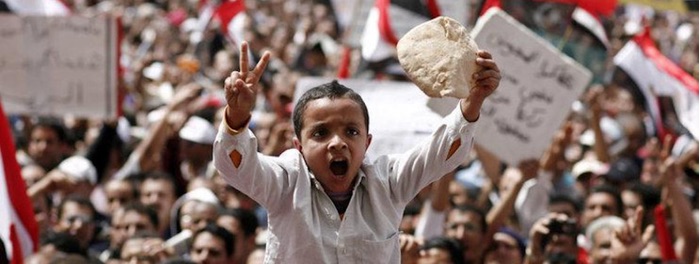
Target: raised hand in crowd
(279, 139)
(685, 227)
(242, 88)
(629, 240)
(410, 248)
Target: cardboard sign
(537, 88)
(398, 112)
(58, 65)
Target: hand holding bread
(443, 60)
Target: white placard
(398, 112)
(538, 86)
(58, 65)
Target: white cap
(79, 168)
(589, 165)
(198, 130)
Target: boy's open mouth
(339, 167)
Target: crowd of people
(142, 188)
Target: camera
(564, 227)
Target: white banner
(399, 116)
(538, 85)
(58, 65)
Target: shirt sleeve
(263, 178)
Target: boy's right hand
(241, 89)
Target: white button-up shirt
(303, 223)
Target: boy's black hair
(220, 232)
(449, 244)
(332, 90)
(246, 218)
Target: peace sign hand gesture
(242, 88)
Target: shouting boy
(326, 203)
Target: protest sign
(59, 65)
(537, 88)
(398, 112)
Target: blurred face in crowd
(118, 194)
(466, 227)
(504, 249)
(32, 174)
(434, 256)
(45, 147)
(209, 249)
(77, 220)
(159, 194)
(117, 234)
(42, 213)
(135, 222)
(280, 95)
(135, 251)
(194, 152)
(334, 139)
(630, 200)
(598, 205)
(562, 244)
(458, 193)
(198, 215)
(651, 254)
(564, 208)
(600, 248)
(232, 224)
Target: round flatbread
(440, 57)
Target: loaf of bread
(440, 57)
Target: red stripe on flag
(433, 8)
(488, 4)
(646, 43)
(663, 235)
(17, 255)
(16, 188)
(385, 29)
(227, 11)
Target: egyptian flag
(587, 15)
(19, 232)
(388, 21)
(488, 4)
(231, 16)
(655, 76)
(37, 7)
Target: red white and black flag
(657, 76)
(231, 16)
(19, 232)
(389, 20)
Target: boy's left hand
(487, 79)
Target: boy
(325, 202)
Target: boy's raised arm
(487, 81)
(241, 90)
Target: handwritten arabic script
(537, 87)
(58, 65)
